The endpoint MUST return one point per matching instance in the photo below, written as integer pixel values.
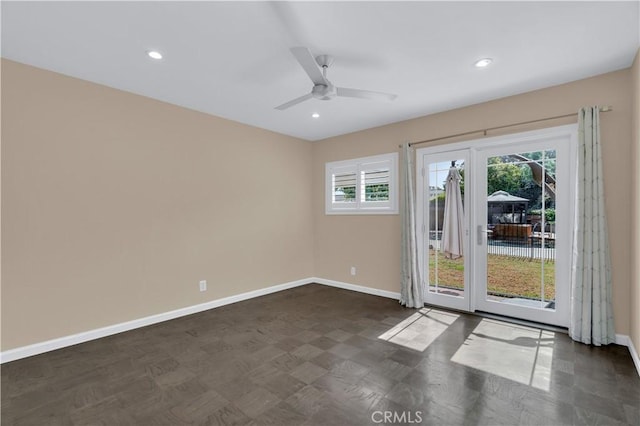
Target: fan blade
(364, 94)
(295, 101)
(308, 63)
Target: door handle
(481, 232)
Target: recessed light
(484, 62)
(315, 115)
(154, 54)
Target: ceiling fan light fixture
(154, 54)
(483, 63)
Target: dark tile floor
(317, 355)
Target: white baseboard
(634, 356)
(624, 340)
(358, 288)
(74, 339)
(50, 345)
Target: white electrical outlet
(203, 285)
(353, 270)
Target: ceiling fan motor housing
(324, 92)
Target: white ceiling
(232, 59)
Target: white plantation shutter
(364, 185)
(344, 186)
(375, 178)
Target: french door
(515, 233)
(445, 276)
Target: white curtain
(591, 302)
(411, 294)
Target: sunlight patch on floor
(515, 352)
(419, 330)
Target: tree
(518, 179)
(503, 176)
(378, 192)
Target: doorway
(516, 224)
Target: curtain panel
(411, 294)
(591, 296)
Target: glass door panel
(445, 229)
(520, 208)
(521, 255)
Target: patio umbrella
(453, 224)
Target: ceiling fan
(323, 89)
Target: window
(363, 185)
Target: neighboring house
(434, 191)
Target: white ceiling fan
(323, 89)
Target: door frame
(569, 132)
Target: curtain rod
(488, 129)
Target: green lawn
(506, 275)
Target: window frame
(360, 166)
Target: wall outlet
(203, 285)
(353, 270)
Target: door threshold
(526, 323)
(504, 318)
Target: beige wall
(372, 243)
(114, 206)
(0, 208)
(111, 210)
(635, 253)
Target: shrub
(549, 214)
